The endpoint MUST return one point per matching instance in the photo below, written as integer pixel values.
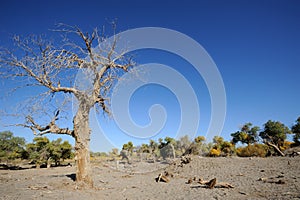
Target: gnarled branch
(49, 128)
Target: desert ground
(251, 178)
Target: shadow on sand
(11, 167)
(71, 176)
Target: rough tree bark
(82, 143)
(46, 65)
(173, 151)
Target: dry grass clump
(259, 150)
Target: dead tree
(39, 62)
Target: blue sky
(255, 45)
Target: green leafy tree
(60, 151)
(274, 132)
(55, 150)
(128, 147)
(296, 131)
(247, 134)
(39, 150)
(66, 150)
(11, 147)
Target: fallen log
(214, 184)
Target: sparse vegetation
(43, 151)
(273, 132)
(258, 150)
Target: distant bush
(98, 154)
(286, 145)
(259, 150)
(221, 147)
(227, 148)
(214, 152)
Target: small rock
(262, 179)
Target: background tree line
(40, 151)
(248, 141)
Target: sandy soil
(252, 178)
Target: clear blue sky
(255, 45)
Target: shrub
(214, 152)
(259, 150)
(286, 145)
(227, 148)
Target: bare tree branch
(49, 128)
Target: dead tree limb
(214, 184)
(162, 178)
(275, 148)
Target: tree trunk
(82, 142)
(275, 148)
(173, 151)
(49, 162)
